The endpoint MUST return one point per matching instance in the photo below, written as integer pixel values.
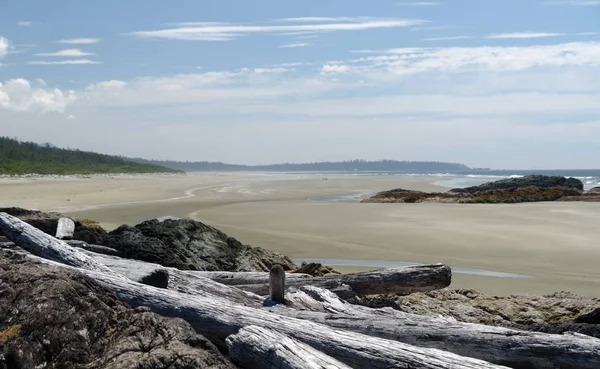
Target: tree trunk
(256, 347)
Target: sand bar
(556, 243)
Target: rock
(315, 269)
(527, 181)
(190, 245)
(158, 278)
(549, 313)
(589, 318)
(512, 190)
(54, 318)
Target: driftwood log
(65, 229)
(216, 317)
(418, 278)
(256, 347)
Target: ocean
(589, 177)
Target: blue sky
(503, 84)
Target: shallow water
(341, 198)
(400, 264)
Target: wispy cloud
(67, 53)
(335, 69)
(407, 61)
(446, 38)
(27, 23)
(418, 3)
(79, 41)
(573, 2)
(64, 62)
(321, 19)
(229, 32)
(301, 44)
(520, 35)
(3, 47)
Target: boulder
(54, 318)
(190, 245)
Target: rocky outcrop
(179, 243)
(554, 313)
(190, 245)
(54, 318)
(315, 269)
(532, 188)
(595, 191)
(538, 181)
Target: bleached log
(45, 246)
(99, 249)
(256, 347)
(417, 278)
(65, 229)
(216, 317)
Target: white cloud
(67, 52)
(419, 3)
(64, 62)
(300, 44)
(519, 35)
(70, 117)
(229, 32)
(107, 85)
(446, 38)
(334, 68)
(573, 2)
(79, 41)
(407, 61)
(321, 19)
(27, 23)
(18, 95)
(3, 47)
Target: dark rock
(53, 318)
(560, 328)
(190, 245)
(93, 236)
(527, 181)
(589, 318)
(533, 188)
(595, 190)
(158, 278)
(315, 269)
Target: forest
(327, 166)
(18, 157)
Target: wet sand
(556, 243)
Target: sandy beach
(556, 244)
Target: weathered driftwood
(99, 249)
(65, 229)
(45, 246)
(518, 349)
(216, 317)
(418, 278)
(277, 284)
(256, 347)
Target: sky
(488, 83)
